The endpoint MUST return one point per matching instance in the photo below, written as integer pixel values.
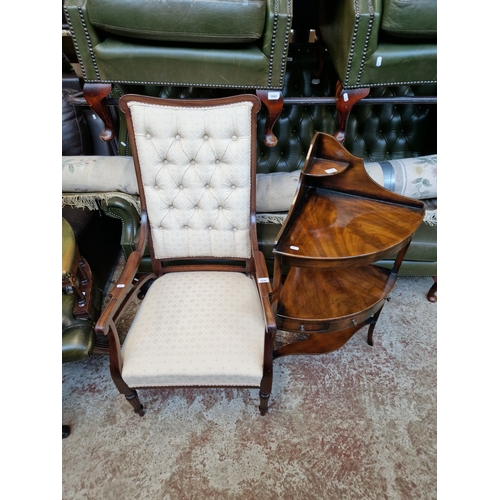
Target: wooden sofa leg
(94, 93)
(273, 101)
(345, 100)
(431, 294)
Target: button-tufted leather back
(195, 168)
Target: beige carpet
(358, 423)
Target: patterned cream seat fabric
(206, 320)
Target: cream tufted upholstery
(195, 171)
(206, 319)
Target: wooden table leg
(431, 294)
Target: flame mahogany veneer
(339, 224)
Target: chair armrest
(265, 291)
(124, 287)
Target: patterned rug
(358, 423)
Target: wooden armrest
(265, 290)
(121, 291)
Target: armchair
(206, 320)
(225, 45)
(80, 304)
(376, 43)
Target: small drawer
(300, 326)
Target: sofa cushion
(412, 177)
(205, 21)
(82, 174)
(275, 192)
(410, 19)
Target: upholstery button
(165, 161)
(205, 137)
(220, 208)
(181, 186)
(209, 227)
(178, 137)
(234, 138)
(156, 186)
(192, 162)
(233, 186)
(217, 161)
(207, 186)
(196, 207)
(234, 229)
(185, 226)
(148, 136)
(171, 207)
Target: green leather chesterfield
(225, 44)
(381, 42)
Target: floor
(358, 423)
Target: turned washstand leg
(94, 94)
(431, 294)
(273, 101)
(373, 322)
(346, 99)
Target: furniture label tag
(263, 280)
(293, 247)
(331, 170)
(379, 61)
(120, 285)
(273, 96)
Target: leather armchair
(374, 43)
(225, 45)
(381, 42)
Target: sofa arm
(275, 39)
(119, 208)
(78, 19)
(351, 27)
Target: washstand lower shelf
(331, 305)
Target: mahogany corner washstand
(340, 223)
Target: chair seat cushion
(202, 328)
(410, 19)
(205, 21)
